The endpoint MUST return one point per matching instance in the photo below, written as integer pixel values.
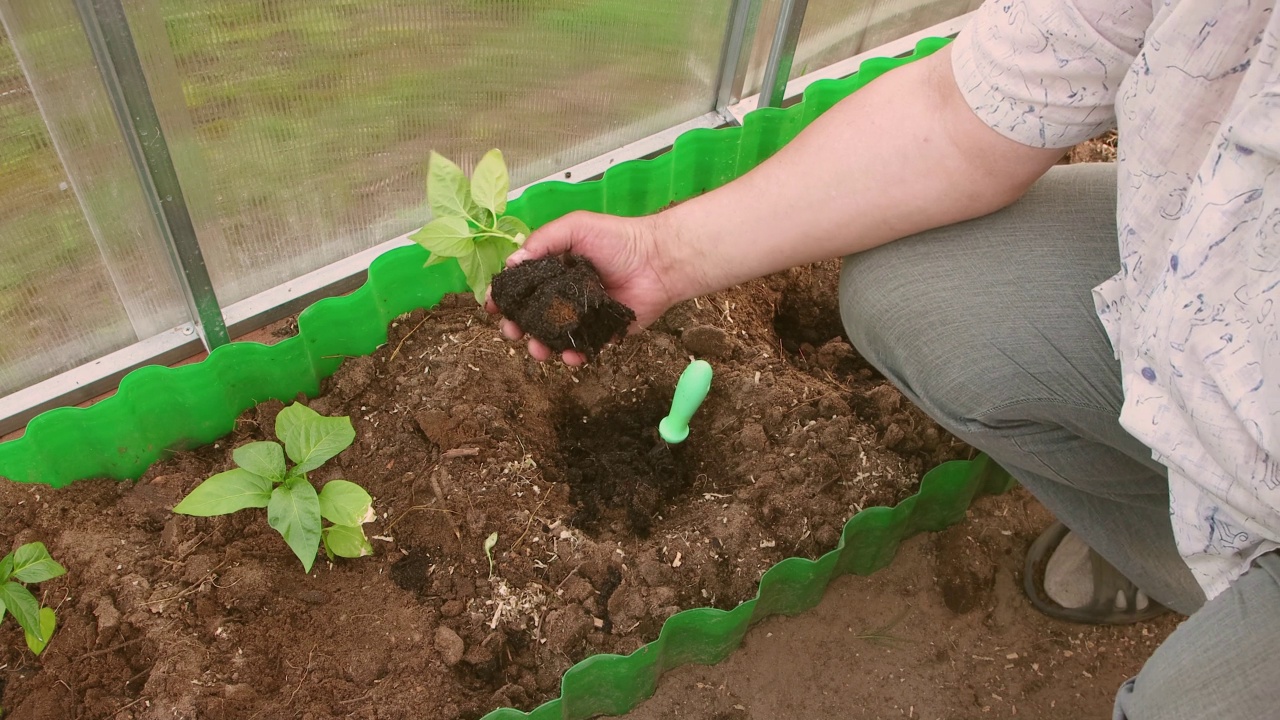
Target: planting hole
(618, 468)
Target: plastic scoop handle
(691, 390)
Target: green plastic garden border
(616, 684)
(158, 410)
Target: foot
(1067, 580)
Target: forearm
(900, 156)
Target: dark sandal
(1107, 583)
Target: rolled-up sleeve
(1045, 73)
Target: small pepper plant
(294, 508)
(30, 563)
(469, 222)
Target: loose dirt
(603, 532)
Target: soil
(604, 532)
(944, 633)
(560, 301)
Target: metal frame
(100, 376)
(744, 15)
(107, 29)
(898, 48)
(782, 53)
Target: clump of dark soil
(560, 301)
(617, 466)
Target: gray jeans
(989, 327)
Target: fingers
(538, 351)
(510, 330)
(554, 238)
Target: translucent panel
(74, 285)
(838, 29)
(312, 119)
(834, 30)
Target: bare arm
(902, 155)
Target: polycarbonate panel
(835, 30)
(313, 119)
(75, 267)
(838, 29)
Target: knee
(938, 360)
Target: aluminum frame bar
(782, 53)
(107, 30)
(844, 68)
(744, 15)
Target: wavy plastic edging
(616, 684)
(158, 410)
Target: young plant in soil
(30, 563)
(294, 509)
(469, 222)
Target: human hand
(632, 256)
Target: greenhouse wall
(296, 134)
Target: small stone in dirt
(450, 645)
(560, 301)
(107, 614)
(452, 608)
(707, 341)
(893, 436)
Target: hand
(632, 256)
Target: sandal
(1114, 600)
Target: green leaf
(490, 183)
(346, 541)
(261, 458)
(47, 622)
(447, 190)
(226, 493)
(19, 601)
(294, 512)
(310, 438)
(514, 227)
(446, 236)
(345, 503)
(6, 567)
(477, 280)
(489, 543)
(488, 260)
(32, 564)
(434, 259)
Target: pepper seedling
(489, 543)
(294, 509)
(469, 222)
(30, 563)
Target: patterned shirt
(1194, 88)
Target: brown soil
(603, 533)
(944, 633)
(560, 301)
